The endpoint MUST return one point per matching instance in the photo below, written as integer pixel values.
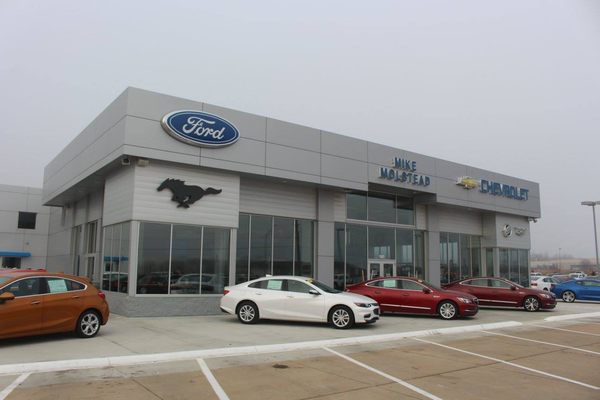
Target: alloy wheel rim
(531, 304)
(90, 324)
(247, 313)
(568, 296)
(340, 318)
(447, 310)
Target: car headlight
(546, 296)
(464, 300)
(363, 305)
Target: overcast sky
(509, 86)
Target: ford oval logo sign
(200, 129)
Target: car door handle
(405, 295)
(258, 294)
(35, 302)
(290, 297)
(378, 292)
(75, 297)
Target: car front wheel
(88, 324)
(531, 303)
(447, 310)
(248, 313)
(568, 296)
(341, 317)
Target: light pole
(559, 264)
(593, 204)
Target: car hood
(457, 293)
(354, 297)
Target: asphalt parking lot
(545, 355)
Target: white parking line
(8, 390)
(390, 377)
(537, 371)
(140, 359)
(572, 316)
(566, 330)
(212, 380)
(539, 341)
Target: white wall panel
(460, 221)
(212, 210)
(274, 198)
(118, 196)
(339, 207)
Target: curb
(104, 362)
(572, 316)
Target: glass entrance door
(379, 268)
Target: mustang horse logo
(185, 194)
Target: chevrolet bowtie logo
(467, 182)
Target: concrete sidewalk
(134, 336)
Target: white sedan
(297, 298)
(544, 283)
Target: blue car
(580, 289)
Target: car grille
(376, 311)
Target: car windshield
(323, 286)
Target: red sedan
(500, 292)
(414, 296)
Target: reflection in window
(404, 242)
(242, 250)
(381, 243)
(215, 260)
(419, 255)
(503, 263)
(283, 246)
(356, 254)
(405, 211)
(453, 260)
(444, 257)
(356, 205)
(261, 236)
(381, 208)
(304, 260)
(153, 258)
(185, 259)
(339, 256)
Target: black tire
(568, 296)
(531, 303)
(247, 312)
(447, 310)
(341, 317)
(88, 324)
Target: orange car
(36, 302)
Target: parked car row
(304, 299)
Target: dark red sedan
(500, 292)
(414, 296)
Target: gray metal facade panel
(211, 210)
(153, 106)
(250, 126)
(460, 221)
(292, 135)
(343, 146)
(149, 134)
(118, 196)
(244, 151)
(277, 198)
(293, 159)
(343, 168)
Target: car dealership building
(164, 201)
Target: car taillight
(102, 295)
(225, 291)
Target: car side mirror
(314, 292)
(426, 290)
(6, 296)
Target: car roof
(16, 274)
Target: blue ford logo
(200, 128)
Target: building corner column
(325, 236)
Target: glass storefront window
(419, 254)
(356, 206)
(465, 256)
(475, 256)
(504, 271)
(453, 260)
(524, 268)
(443, 257)
(153, 258)
(283, 246)
(185, 259)
(404, 245)
(339, 256)
(405, 214)
(305, 239)
(381, 243)
(356, 254)
(489, 262)
(242, 250)
(514, 265)
(123, 271)
(261, 235)
(215, 260)
(381, 208)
